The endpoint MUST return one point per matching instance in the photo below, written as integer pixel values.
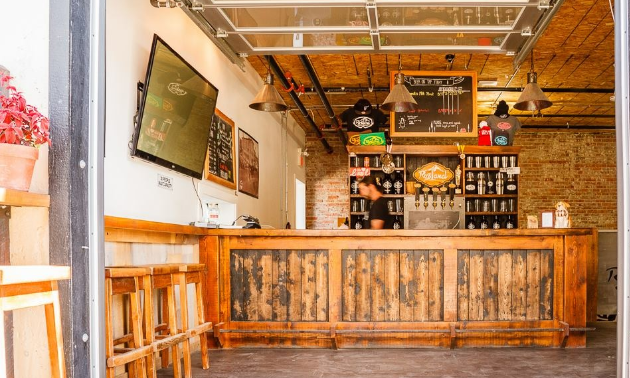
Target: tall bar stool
(160, 278)
(118, 281)
(193, 274)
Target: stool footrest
(198, 330)
(130, 356)
(168, 342)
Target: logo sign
(433, 174)
(164, 182)
(363, 122)
(359, 171)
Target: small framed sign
(546, 219)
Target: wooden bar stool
(160, 278)
(193, 274)
(118, 281)
(28, 286)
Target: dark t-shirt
(360, 123)
(503, 129)
(379, 211)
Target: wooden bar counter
(403, 288)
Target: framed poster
(447, 103)
(220, 160)
(248, 179)
(547, 219)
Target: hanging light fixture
(532, 98)
(399, 100)
(268, 99)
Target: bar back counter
(394, 288)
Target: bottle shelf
(380, 169)
(384, 195)
(492, 213)
(466, 169)
(491, 195)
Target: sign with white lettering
(447, 105)
(359, 171)
(433, 174)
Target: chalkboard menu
(220, 161)
(447, 103)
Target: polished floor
(598, 359)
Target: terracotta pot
(16, 166)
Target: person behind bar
(362, 118)
(379, 216)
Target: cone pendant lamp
(532, 98)
(399, 99)
(268, 99)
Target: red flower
(21, 123)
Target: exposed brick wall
(576, 167)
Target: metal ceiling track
(280, 75)
(318, 88)
(341, 90)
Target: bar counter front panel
(404, 288)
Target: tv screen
(175, 113)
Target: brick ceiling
(575, 51)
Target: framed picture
(221, 159)
(248, 179)
(546, 219)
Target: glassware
(495, 161)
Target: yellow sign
(433, 174)
(354, 140)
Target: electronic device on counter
(251, 222)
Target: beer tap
(443, 197)
(425, 190)
(451, 193)
(417, 191)
(435, 194)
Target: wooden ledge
(11, 197)
(19, 274)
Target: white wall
(130, 184)
(24, 52)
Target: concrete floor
(597, 360)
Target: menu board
(220, 163)
(447, 103)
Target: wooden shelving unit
(11, 197)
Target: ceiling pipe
(278, 72)
(340, 90)
(320, 91)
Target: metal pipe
(280, 75)
(340, 90)
(318, 88)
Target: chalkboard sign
(447, 105)
(220, 163)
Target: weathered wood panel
(279, 285)
(505, 285)
(533, 284)
(236, 283)
(392, 286)
(309, 304)
(363, 297)
(436, 285)
(321, 287)
(463, 264)
(279, 281)
(407, 287)
(264, 277)
(421, 280)
(294, 285)
(490, 284)
(546, 284)
(349, 285)
(378, 286)
(475, 310)
(519, 285)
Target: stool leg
(172, 325)
(109, 332)
(181, 279)
(203, 341)
(137, 328)
(55, 337)
(164, 318)
(148, 324)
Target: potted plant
(22, 130)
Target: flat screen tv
(175, 113)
